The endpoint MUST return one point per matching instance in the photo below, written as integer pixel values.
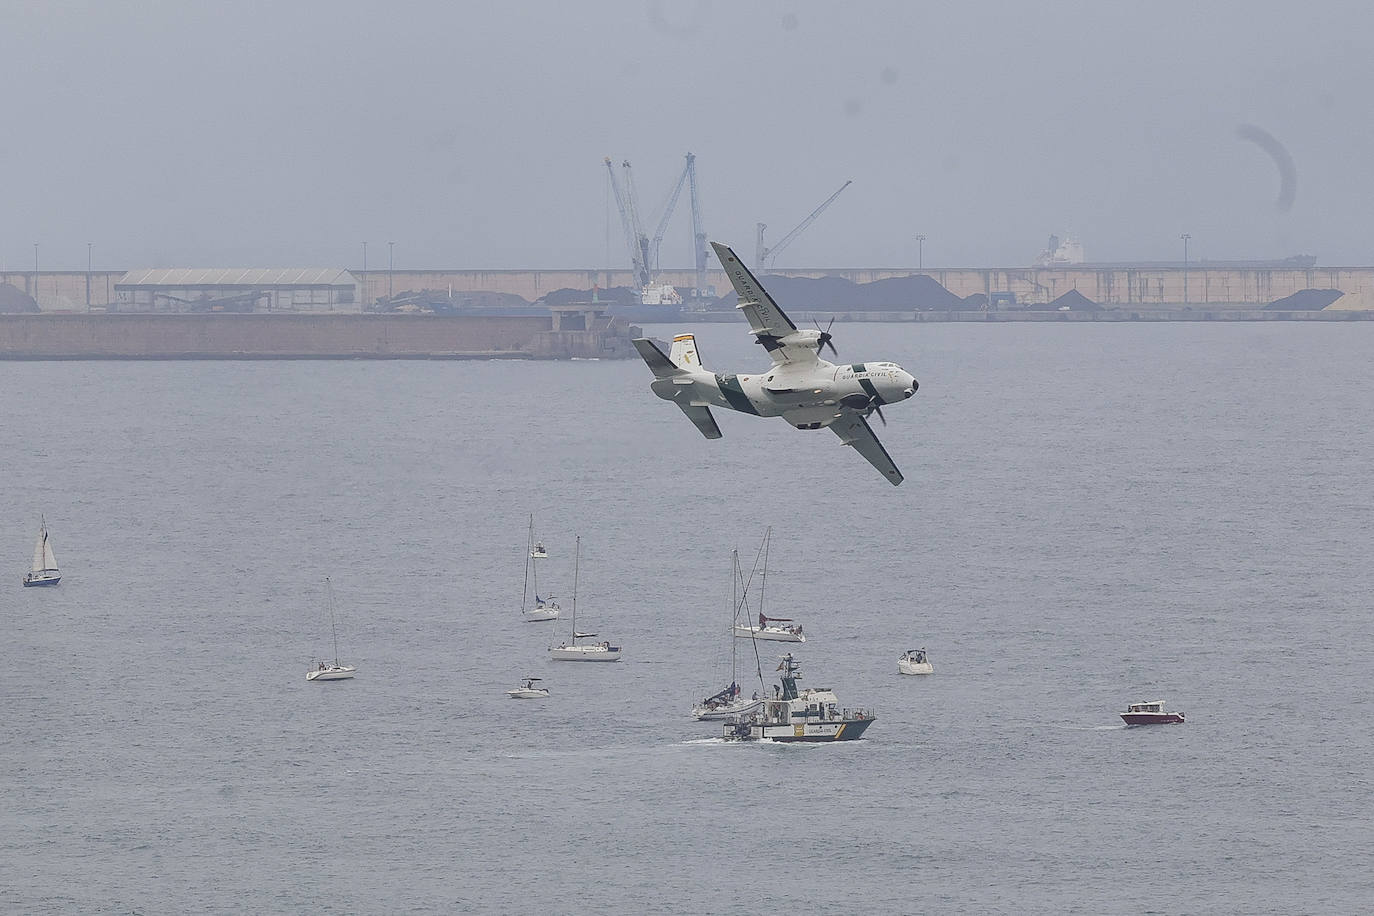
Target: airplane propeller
(825, 339)
(865, 403)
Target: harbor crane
(765, 256)
(640, 256)
(644, 252)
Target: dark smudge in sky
(1288, 172)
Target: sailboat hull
(40, 580)
(585, 654)
(339, 673)
(777, 634)
(728, 711)
(534, 615)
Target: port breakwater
(305, 336)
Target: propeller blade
(823, 340)
(879, 411)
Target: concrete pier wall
(279, 336)
(66, 291)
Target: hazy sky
(179, 133)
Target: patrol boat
(813, 714)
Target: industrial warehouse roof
(182, 277)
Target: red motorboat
(1151, 713)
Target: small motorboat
(537, 552)
(1151, 713)
(914, 661)
(528, 691)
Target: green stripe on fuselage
(734, 394)
(871, 391)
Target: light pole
(920, 252)
(390, 262)
(1185, 236)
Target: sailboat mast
(577, 561)
(529, 558)
(734, 607)
(763, 582)
(329, 600)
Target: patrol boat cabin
(813, 714)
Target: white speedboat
(43, 570)
(777, 629)
(542, 608)
(528, 691)
(582, 651)
(810, 715)
(1151, 712)
(324, 670)
(914, 661)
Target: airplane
(802, 388)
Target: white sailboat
(778, 629)
(542, 609)
(730, 701)
(325, 671)
(582, 652)
(43, 570)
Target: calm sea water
(1093, 514)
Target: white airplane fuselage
(809, 396)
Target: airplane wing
(701, 416)
(770, 323)
(854, 430)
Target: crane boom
(629, 219)
(768, 254)
(642, 255)
(698, 226)
(668, 210)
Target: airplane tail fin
(684, 353)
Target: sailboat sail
(43, 557)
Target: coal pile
(13, 299)
(1306, 300)
(1072, 301)
(616, 295)
(896, 294)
